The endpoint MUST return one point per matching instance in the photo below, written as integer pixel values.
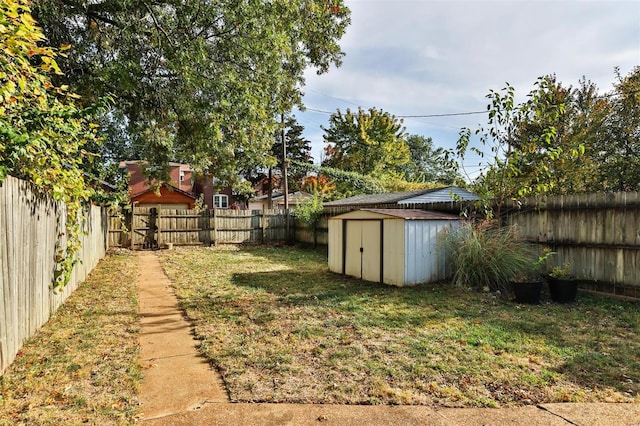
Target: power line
(451, 114)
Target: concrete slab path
(180, 388)
(175, 378)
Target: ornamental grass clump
(486, 256)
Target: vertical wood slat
(598, 234)
(30, 228)
(194, 227)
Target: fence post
(158, 228)
(207, 227)
(288, 227)
(263, 222)
(133, 227)
(215, 228)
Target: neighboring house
(180, 176)
(277, 200)
(181, 191)
(407, 199)
(168, 197)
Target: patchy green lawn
(82, 366)
(281, 328)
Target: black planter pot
(562, 290)
(527, 292)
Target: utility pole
(284, 164)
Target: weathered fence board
(597, 234)
(31, 228)
(154, 228)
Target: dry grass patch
(281, 328)
(82, 366)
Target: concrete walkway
(175, 379)
(180, 388)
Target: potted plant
(563, 287)
(527, 285)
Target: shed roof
(413, 214)
(406, 214)
(418, 196)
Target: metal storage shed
(392, 246)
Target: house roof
(424, 196)
(166, 185)
(413, 214)
(125, 163)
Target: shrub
(486, 256)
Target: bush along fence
(31, 229)
(596, 235)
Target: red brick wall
(138, 181)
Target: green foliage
(563, 140)
(502, 179)
(348, 183)
(310, 212)
(42, 131)
(563, 271)
(201, 82)
(298, 148)
(428, 164)
(486, 256)
(618, 156)
(367, 142)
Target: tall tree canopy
(298, 148)
(562, 140)
(427, 163)
(367, 142)
(197, 81)
(43, 133)
(619, 156)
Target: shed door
(363, 249)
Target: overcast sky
(422, 57)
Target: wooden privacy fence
(598, 235)
(31, 228)
(153, 228)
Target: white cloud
(425, 57)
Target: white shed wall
(335, 245)
(393, 252)
(423, 261)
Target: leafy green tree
(534, 170)
(310, 212)
(298, 148)
(596, 145)
(202, 82)
(619, 153)
(367, 142)
(43, 133)
(428, 164)
(512, 170)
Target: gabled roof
(408, 197)
(166, 185)
(442, 195)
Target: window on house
(221, 201)
(181, 175)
